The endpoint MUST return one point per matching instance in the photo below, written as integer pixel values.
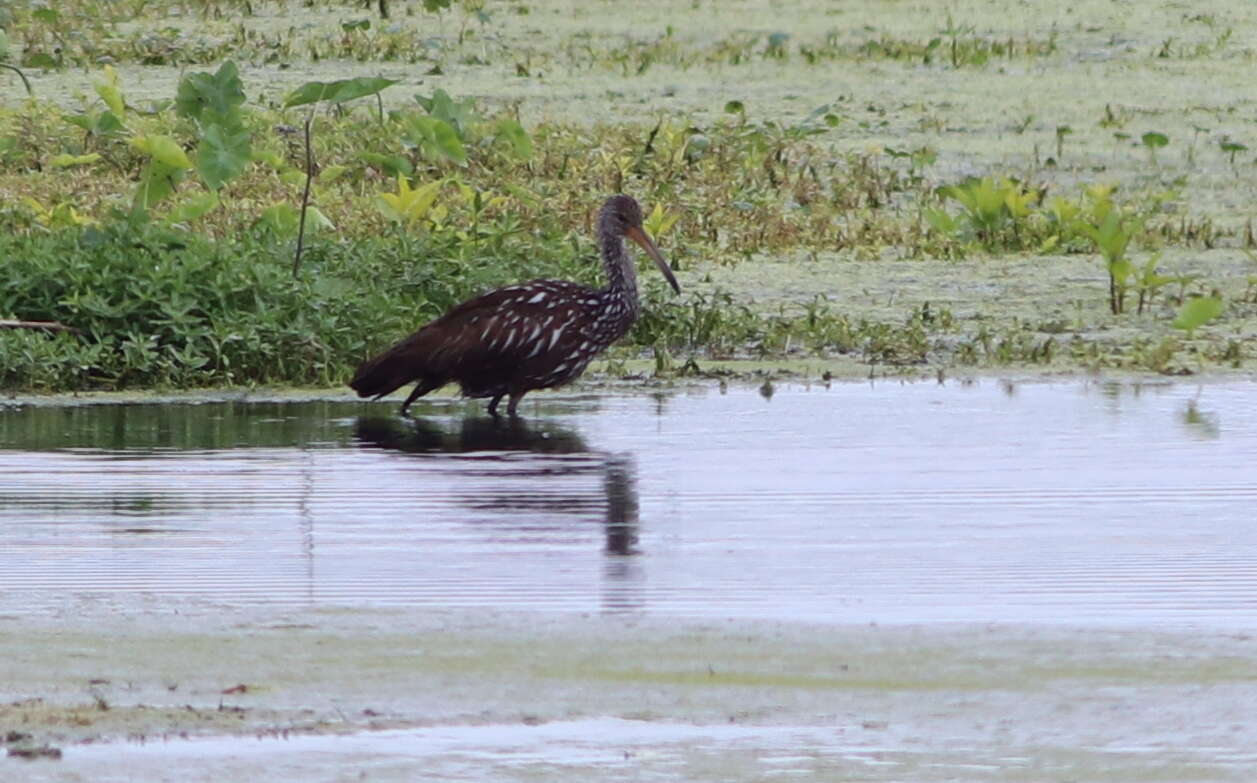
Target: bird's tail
(389, 371)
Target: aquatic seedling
(1232, 148)
(1154, 140)
(1113, 119)
(1111, 230)
(776, 48)
(311, 93)
(918, 159)
(1061, 132)
(1148, 281)
(992, 208)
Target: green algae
(920, 697)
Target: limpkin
(534, 335)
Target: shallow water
(579, 750)
(1102, 503)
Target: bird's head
(622, 216)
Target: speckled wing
(529, 335)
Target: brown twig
(48, 326)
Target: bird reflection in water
(621, 489)
(622, 576)
(499, 439)
(425, 436)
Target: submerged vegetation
(220, 234)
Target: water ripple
(1059, 503)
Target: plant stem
(22, 76)
(305, 198)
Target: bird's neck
(621, 271)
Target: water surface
(1073, 502)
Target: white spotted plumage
(526, 336)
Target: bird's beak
(639, 236)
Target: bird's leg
(421, 388)
(514, 403)
(493, 405)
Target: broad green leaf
(1018, 201)
(282, 218)
(193, 207)
(110, 91)
(46, 15)
(437, 139)
(1063, 211)
(1121, 270)
(107, 124)
(316, 221)
(163, 149)
(391, 165)
(1197, 312)
(330, 174)
(459, 114)
(518, 138)
(65, 161)
(350, 89)
(337, 91)
(310, 92)
(157, 181)
(211, 98)
(448, 143)
(222, 155)
(942, 222)
(1155, 139)
(103, 124)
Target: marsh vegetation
(154, 188)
